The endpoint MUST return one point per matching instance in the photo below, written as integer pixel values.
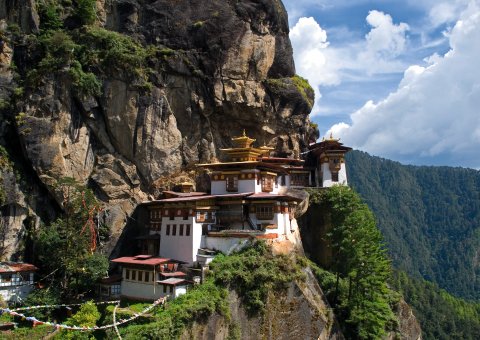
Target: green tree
(359, 263)
(87, 316)
(75, 262)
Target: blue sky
(398, 79)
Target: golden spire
(243, 141)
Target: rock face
(213, 80)
(300, 313)
(409, 328)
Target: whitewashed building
(248, 198)
(146, 277)
(328, 158)
(16, 280)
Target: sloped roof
(12, 267)
(139, 260)
(171, 281)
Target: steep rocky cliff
(300, 313)
(206, 70)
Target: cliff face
(299, 313)
(217, 67)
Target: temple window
(264, 212)
(168, 230)
(232, 183)
(334, 176)
(267, 183)
(147, 276)
(300, 179)
(187, 231)
(115, 290)
(181, 230)
(174, 230)
(127, 274)
(201, 216)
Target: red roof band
(12, 267)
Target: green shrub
(86, 11)
(112, 50)
(295, 83)
(166, 51)
(85, 82)
(253, 272)
(50, 16)
(4, 104)
(59, 51)
(197, 305)
(304, 88)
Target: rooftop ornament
(243, 141)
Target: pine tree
(360, 261)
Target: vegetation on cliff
(75, 263)
(429, 217)
(252, 272)
(441, 315)
(357, 270)
(86, 55)
(294, 86)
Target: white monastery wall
(140, 290)
(327, 175)
(218, 187)
(15, 293)
(248, 185)
(180, 247)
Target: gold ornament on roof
(331, 139)
(266, 148)
(243, 141)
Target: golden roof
(243, 141)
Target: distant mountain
(429, 216)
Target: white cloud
(435, 110)
(446, 12)
(325, 65)
(309, 43)
(385, 39)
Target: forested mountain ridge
(429, 216)
(441, 315)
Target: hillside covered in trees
(441, 315)
(429, 216)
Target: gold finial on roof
(331, 135)
(243, 141)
